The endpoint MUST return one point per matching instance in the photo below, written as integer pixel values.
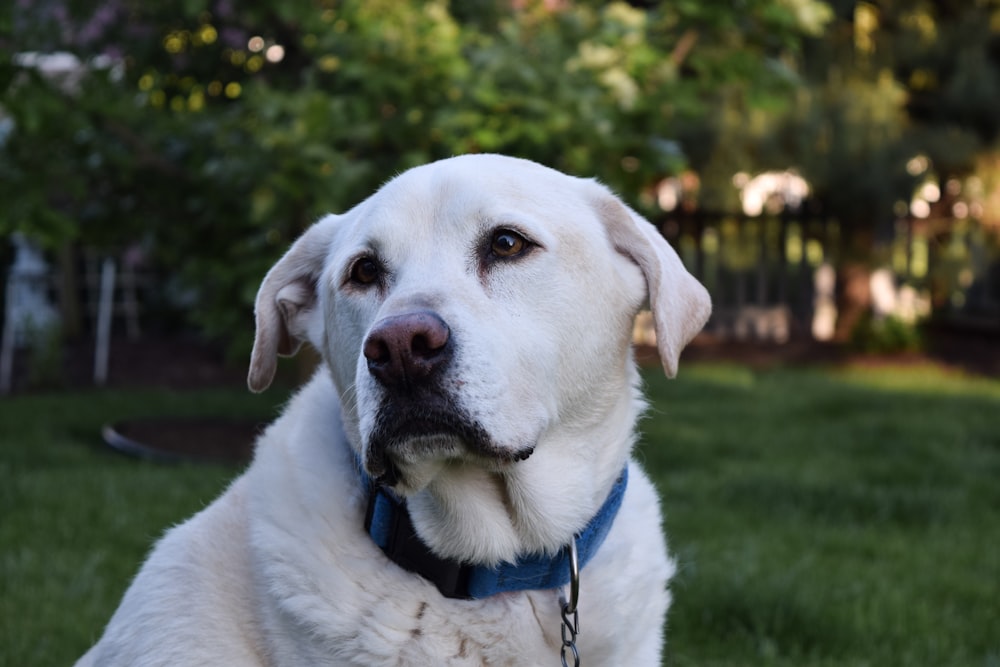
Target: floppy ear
(285, 310)
(680, 304)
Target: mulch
(185, 439)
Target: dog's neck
(389, 525)
(485, 517)
(472, 514)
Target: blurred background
(830, 170)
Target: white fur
(279, 570)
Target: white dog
(416, 502)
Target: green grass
(819, 518)
(844, 518)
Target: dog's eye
(507, 243)
(365, 271)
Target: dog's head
(473, 310)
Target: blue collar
(388, 523)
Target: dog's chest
(403, 630)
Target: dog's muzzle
(408, 355)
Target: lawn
(843, 517)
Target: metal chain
(570, 614)
(570, 629)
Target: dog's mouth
(405, 435)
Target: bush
(886, 335)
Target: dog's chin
(409, 468)
(407, 451)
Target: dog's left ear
(285, 311)
(680, 304)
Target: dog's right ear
(285, 311)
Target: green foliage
(45, 358)
(886, 335)
(880, 85)
(213, 137)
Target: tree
(890, 98)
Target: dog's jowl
(459, 468)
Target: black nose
(406, 349)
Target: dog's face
(472, 309)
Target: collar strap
(388, 523)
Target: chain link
(570, 629)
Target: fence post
(762, 289)
(783, 257)
(104, 312)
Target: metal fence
(769, 275)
